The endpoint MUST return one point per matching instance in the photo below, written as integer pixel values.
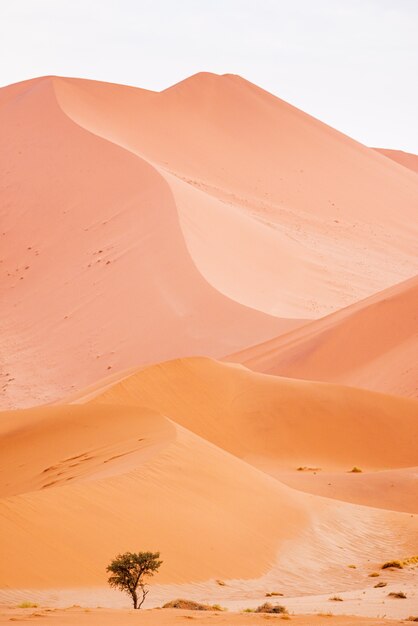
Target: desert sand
(210, 319)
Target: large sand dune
(142, 226)
(371, 344)
(147, 236)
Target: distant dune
(371, 344)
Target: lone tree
(128, 571)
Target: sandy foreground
(171, 617)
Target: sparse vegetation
(271, 594)
(392, 564)
(329, 614)
(374, 575)
(270, 608)
(249, 610)
(355, 470)
(221, 583)
(397, 594)
(381, 584)
(353, 566)
(191, 605)
(305, 468)
(27, 605)
(128, 571)
(401, 563)
(413, 618)
(336, 599)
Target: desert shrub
(27, 605)
(353, 566)
(381, 584)
(336, 599)
(413, 618)
(397, 594)
(191, 605)
(249, 611)
(373, 575)
(270, 608)
(355, 470)
(272, 594)
(221, 583)
(397, 564)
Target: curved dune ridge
(150, 478)
(198, 220)
(371, 344)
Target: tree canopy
(128, 571)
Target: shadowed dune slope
(279, 211)
(94, 264)
(404, 158)
(371, 344)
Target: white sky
(351, 63)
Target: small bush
(336, 599)
(397, 594)
(191, 605)
(355, 470)
(381, 584)
(396, 564)
(373, 575)
(221, 583)
(269, 608)
(353, 566)
(27, 605)
(271, 594)
(413, 618)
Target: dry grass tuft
(271, 594)
(381, 584)
(336, 599)
(397, 594)
(373, 575)
(191, 605)
(27, 605)
(269, 608)
(355, 470)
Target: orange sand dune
(123, 476)
(142, 226)
(404, 158)
(279, 211)
(94, 264)
(276, 422)
(371, 344)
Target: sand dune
(145, 235)
(199, 220)
(319, 206)
(122, 474)
(94, 261)
(275, 420)
(371, 344)
(404, 158)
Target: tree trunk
(135, 600)
(144, 593)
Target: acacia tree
(128, 571)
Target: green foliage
(128, 570)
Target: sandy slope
(279, 211)
(79, 472)
(404, 158)
(94, 263)
(371, 344)
(120, 206)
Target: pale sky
(351, 63)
